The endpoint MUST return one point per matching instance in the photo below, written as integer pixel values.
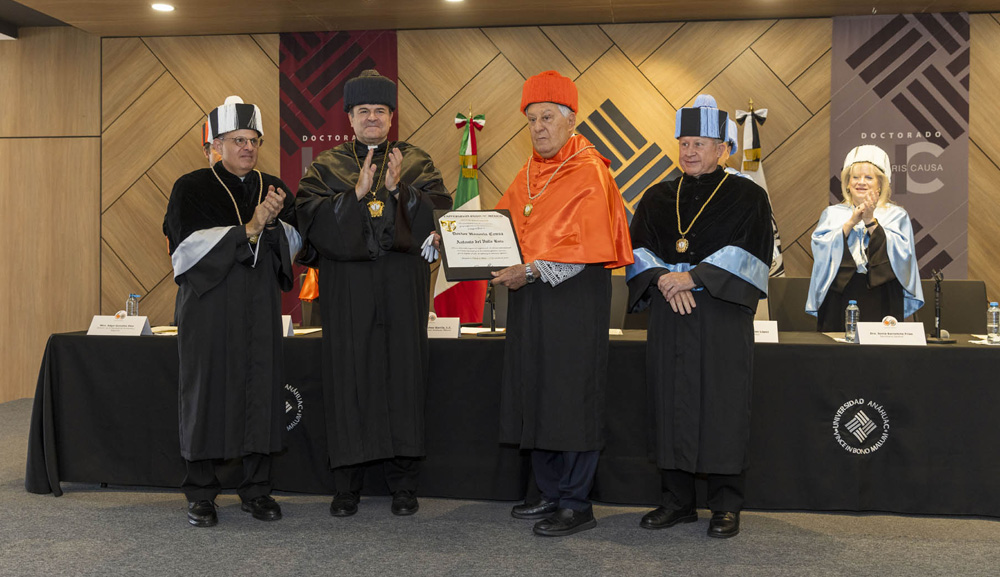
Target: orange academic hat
(549, 86)
(206, 133)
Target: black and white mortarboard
(234, 115)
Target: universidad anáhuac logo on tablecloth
(861, 427)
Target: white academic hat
(873, 155)
(235, 115)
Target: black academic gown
(374, 286)
(229, 317)
(699, 366)
(878, 292)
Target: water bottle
(993, 324)
(132, 305)
(851, 316)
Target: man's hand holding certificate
(475, 243)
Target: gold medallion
(375, 208)
(527, 209)
(682, 245)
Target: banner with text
(901, 83)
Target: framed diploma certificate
(475, 243)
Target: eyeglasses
(241, 141)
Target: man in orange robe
(571, 223)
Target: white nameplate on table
(109, 325)
(444, 328)
(286, 326)
(765, 331)
(899, 334)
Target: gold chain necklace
(375, 205)
(528, 207)
(682, 243)
(260, 194)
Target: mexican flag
(464, 299)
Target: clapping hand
(365, 177)
(394, 170)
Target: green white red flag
(464, 299)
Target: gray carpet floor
(130, 531)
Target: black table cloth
(833, 426)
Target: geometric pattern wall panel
(270, 44)
(984, 121)
(158, 303)
(51, 265)
(51, 83)
(128, 69)
(143, 133)
(117, 282)
(435, 64)
(622, 113)
(132, 227)
(495, 92)
(796, 180)
(248, 73)
(412, 114)
(530, 51)
(795, 256)
(638, 41)
(812, 87)
(984, 215)
(502, 167)
(748, 77)
(698, 52)
(791, 46)
(581, 44)
(184, 156)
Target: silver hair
(566, 110)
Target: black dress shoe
(263, 508)
(724, 525)
(566, 522)
(404, 503)
(540, 509)
(202, 513)
(661, 518)
(344, 504)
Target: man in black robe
(702, 247)
(232, 240)
(365, 209)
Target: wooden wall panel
(132, 227)
(270, 44)
(749, 78)
(984, 152)
(158, 304)
(495, 92)
(51, 83)
(530, 51)
(117, 282)
(501, 168)
(812, 87)
(412, 115)
(693, 56)
(248, 73)
(798, 178)
(128, 69)
(638, 41)
(583, 45)
(791, 46)
(149, 128)
(183, 157)
(434, 64)
(51, 264)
